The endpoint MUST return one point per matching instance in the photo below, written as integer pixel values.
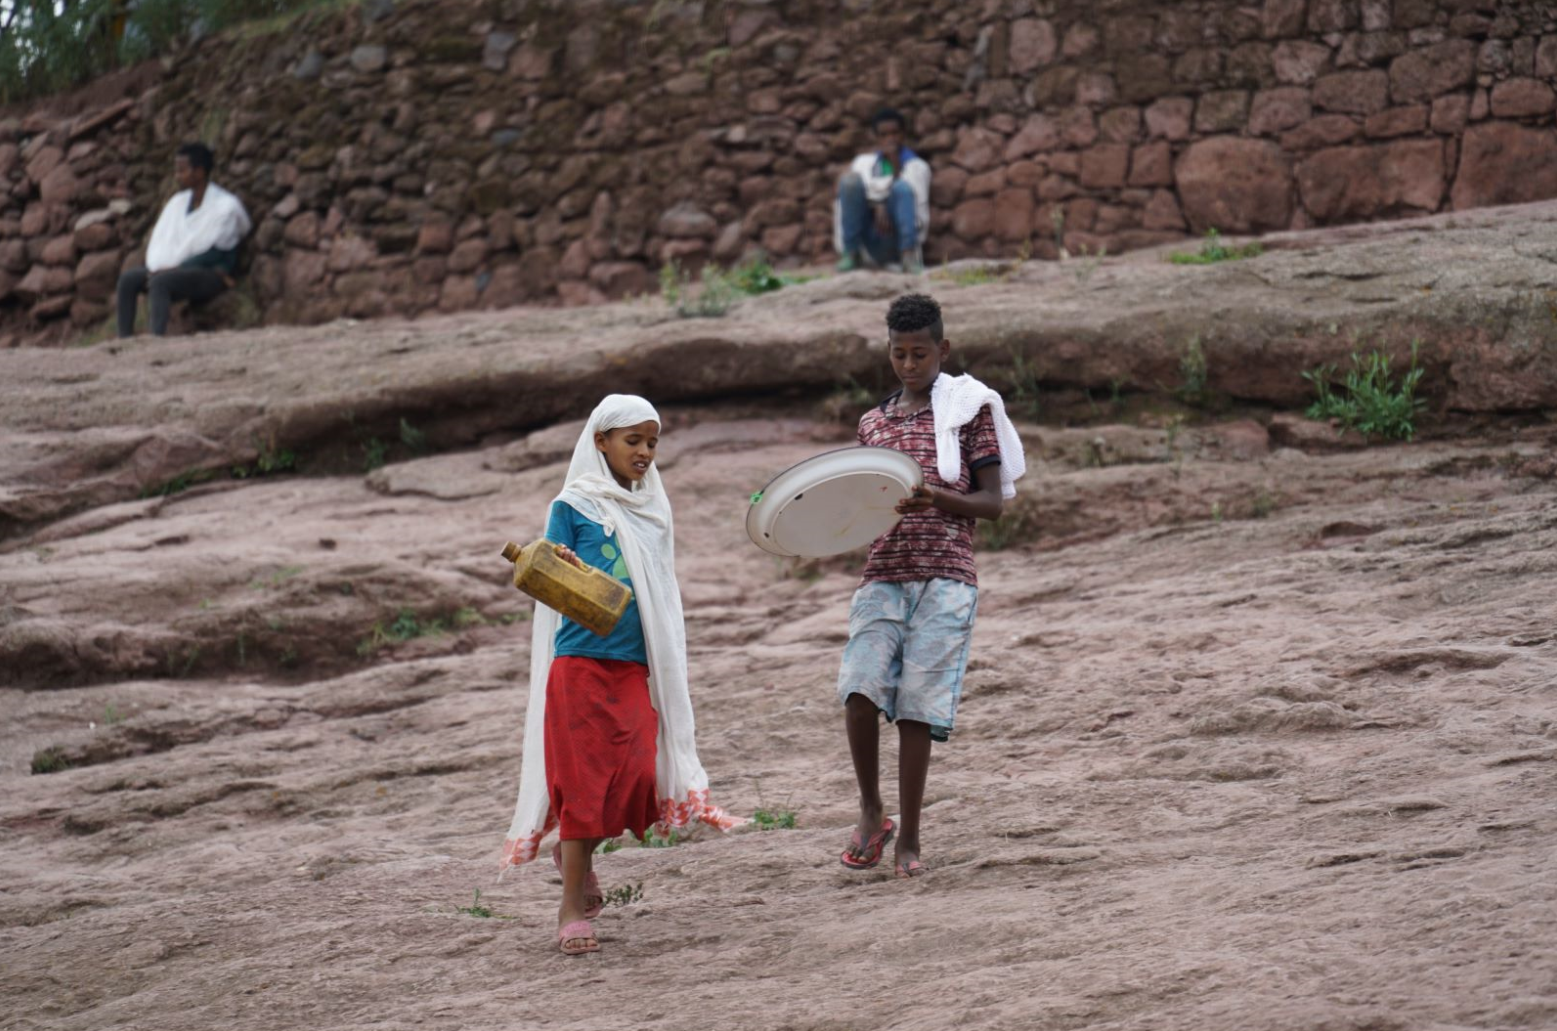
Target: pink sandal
(578, 930)
(911, 870)
(594, 901)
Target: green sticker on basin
(756, 497)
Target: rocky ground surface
(1259, 731)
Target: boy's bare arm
(984, 503)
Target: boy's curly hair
(913, 312)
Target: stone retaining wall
(441, 155)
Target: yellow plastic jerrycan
(591, 598)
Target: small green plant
(1216, 511)
(1018, 524)
(716, 292)
(406, 626)
(475, 908)
(774, 819)
(1212, 250)
(50, 760)
(756, 277)
(1373, 402)
(1088, 263)
(112, 715)
(510, 618)
(1022, 394)
(414, 439)
(626, 895)
(1193, 373)
(652, 839)
(178, 484)
(374, 453)
(468, 617)
(1263, 505)
(608, 846)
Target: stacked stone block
(438, 155)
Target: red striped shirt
(932, 543)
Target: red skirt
(600, 747)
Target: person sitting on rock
(883, 206)
(193, 251)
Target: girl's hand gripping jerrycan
(590, 597)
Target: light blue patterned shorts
(908, 648)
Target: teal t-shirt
(590, 543)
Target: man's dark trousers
(167, 286)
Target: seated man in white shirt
(883, 206)
(193, 251)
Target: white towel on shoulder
(956, 400)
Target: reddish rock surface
(1239, 690)
(1505, 164)
(1234, 185)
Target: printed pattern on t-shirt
(929, 544)
(591, 544)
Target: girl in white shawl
(608, 740)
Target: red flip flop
(873, 848)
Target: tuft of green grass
(1022, 394)
(1018, 524)
(406, 626)
(1213, 250)
(608, 846)
(112, 715)
(1372, 400)
(713, 296)
(178, 484)
(1193, 373)
(468, 617)
(774, 819)
(414, 439)
(479, 909)
(626, 895)
(1263, 505)
(374, 454)
(50, 760)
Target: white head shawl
(640, 519)
(181, 234)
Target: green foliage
(1372, 401)
(774, 819)
(406, 626)
(1192, 373)
(652, 840)
(1018, 524)
(608, 846)
(412, 438)
(112, 715)
(1213, 251)
(468, 617)
(49, 760)
(52, 46)
(756, 277)
(1263, 505)
(374, 452)
(1021, 394)
(625, 895)
(475, 908)
(271, 461)
(178, 484)
(712, 298)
